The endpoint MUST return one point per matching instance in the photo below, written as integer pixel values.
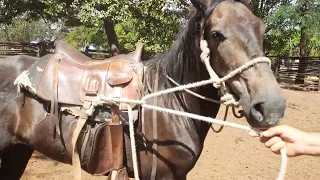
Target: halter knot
(229, 100)
(205, 50)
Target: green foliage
(263, 9)
(48, 10)
(22, 30)
(154, 21)
(282, 33)
(83, 36)
(127, 35)
(285, 19)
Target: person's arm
(313, 139)
(297, 142)
(312, 144)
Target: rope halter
(219, 83)
(229, 99)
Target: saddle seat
(76, 76)
(117, 75)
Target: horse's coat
(234, 36)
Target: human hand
(282, 136)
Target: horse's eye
(214, 34)
(217, 34)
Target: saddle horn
(138, 52)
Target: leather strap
(155, 130)
(76, 162)
(116, 130)
(143, 129)
(54, 123)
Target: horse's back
(10, 68)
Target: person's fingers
(278, 146)
(264, 139)
(253, 134)
(274, 131)
(272, 141)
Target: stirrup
(120, 174)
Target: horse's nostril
(257, 111)
(266, 111)
(258, 107)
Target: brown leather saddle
(79, 75)
(72, 82)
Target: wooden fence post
(38, 51)
(319, 77)
(276, 71)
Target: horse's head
(234, 37)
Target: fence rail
(40, 49)
(301, 73)
(16, 48)
(97, 54)
(287, 70)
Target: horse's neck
(181, 63)
(177, 134)
(181, 101)
(186, 102)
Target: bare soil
(231, 154)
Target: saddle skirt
(119, 76)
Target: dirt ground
(230, 154)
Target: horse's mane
(179, 60)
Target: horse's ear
(201, 5)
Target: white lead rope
(209, 81)
(284, 164)
(283, 168)
(133, 144)
(284, 158)
(216, 81)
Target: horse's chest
(174, 159)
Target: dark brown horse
(234, 36)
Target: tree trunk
(303, 57)
(304, 51)
(112, 37)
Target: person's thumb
(274, 131)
